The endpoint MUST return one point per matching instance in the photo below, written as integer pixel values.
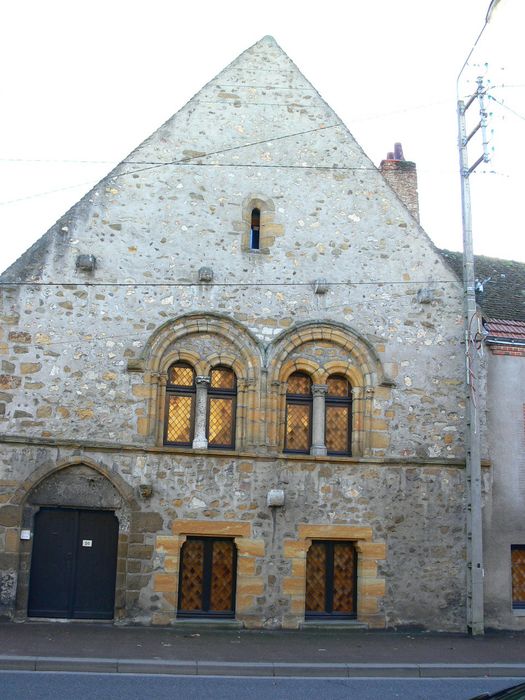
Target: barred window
(298, 413)
(180, 405)
(338, 422)
(222, 395)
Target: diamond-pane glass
(337, 428)
(222, 576)
(222, 378)
(220, 422)
(337, 386)
(192, 576)
(330, 579)
(316, 578)
(179, 419)
(298, 427)
(518, 576)
(180, 375)
(299, 384)
(343, 593)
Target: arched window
(298, 435)
(338, 416)
(179, 422)
(222, 395)
(255, 229)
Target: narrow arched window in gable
(255, 229)
(338, 407)
(222, 396)
(298, 413)
(180, 405)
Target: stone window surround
(249, 585)
(362, 399)
(268, 229)
(261, 383)
(202, 371)
(318, 445)
(370, 587)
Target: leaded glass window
(207, 577)
(298, 413)
(222, 395)
(518, 576)
(331, 580)
(180, 405)
(338, 407)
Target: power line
(502, 104)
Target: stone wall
(345, 282)
(406, 553)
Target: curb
(237, 668)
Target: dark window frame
(518, 604)
(208, 542)
(180, 390)
(255, 229)
(329, 583)
(223, 394)
(299, 399)
(340, 401)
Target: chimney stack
(401, 175)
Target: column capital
(202, 380)
(319, 389)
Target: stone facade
(343, 283)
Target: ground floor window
(208, 568)
(518, 576)
(331, 579)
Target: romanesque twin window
(318, 416)
(200, 410)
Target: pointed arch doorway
(75, 564)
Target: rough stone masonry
(155, 266)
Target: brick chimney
(401, 175)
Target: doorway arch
(79, 520)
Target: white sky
(89, 80)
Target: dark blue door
(73, 564)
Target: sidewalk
(85, 646)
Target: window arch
(179, 424)
(338, 415)
(222, 399)
(298, 435)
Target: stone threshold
(323, 625)
(192, 624)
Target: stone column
(200, 441)
(318, 419)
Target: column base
(318, 450)
(200, 444)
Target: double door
(73, 564)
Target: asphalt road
(21, 685)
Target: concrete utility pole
(475, 598)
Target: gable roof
(258, 130)
(503, 295)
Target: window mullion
(200, 441)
